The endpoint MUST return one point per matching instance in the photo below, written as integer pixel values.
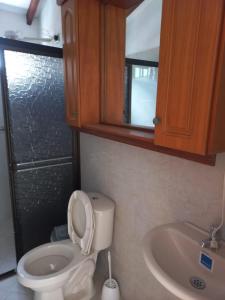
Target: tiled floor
(7, 249)
(10, 289)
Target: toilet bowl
(65, 269)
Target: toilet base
(86, 294)
(54, 295)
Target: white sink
(173, 252)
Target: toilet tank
(103, 208)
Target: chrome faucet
(213, 242)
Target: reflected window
(141, 79)
(143, 25)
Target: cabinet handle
(156, 121)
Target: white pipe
(38, 39)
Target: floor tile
(7, 249)
(10, 289)
(18, 296)
(3, 295)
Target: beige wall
(149, 189)
(17, 22)
(50, 22)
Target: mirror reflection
(143, 25)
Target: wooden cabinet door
(81, 51)
(190, 37)
(70, 54)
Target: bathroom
(71, 118)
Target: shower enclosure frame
(30, 48)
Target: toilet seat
(28, 270)
(81, 223)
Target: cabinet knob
(74, 114)
(156, 121)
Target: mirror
(143, 24)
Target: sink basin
(175, 258)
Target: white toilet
(65, 269)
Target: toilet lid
(81, 221)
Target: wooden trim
(102, 62)
(142, 139)
(125, 4)
(32, 11)
(60, 2)
(132, 127)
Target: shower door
(42, 159)
(7, 242)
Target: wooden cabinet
(191, 89)
(191, 55)
(81, 50)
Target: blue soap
(206, 261)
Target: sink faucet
(212, 242)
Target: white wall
(143, 31)
(50, 21)
(5, 199)
(149, 189)
(17, 22)
(47, 23)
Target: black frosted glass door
(41, 196)
(41, 146)
(36, 107)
